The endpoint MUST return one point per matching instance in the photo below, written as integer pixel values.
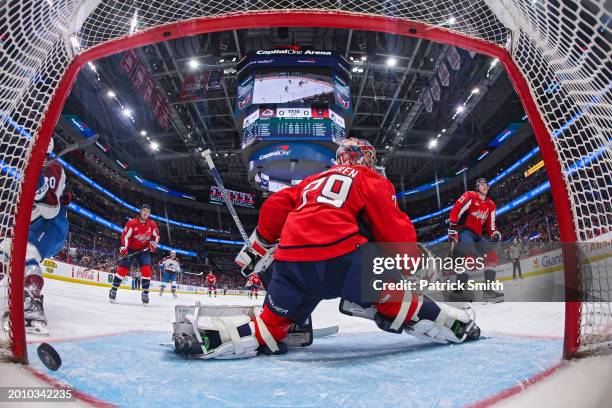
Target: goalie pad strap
(407, 309)
(232, 331)
(264, 333)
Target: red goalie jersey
(319, 218)
(470, 212)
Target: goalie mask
(356, 152)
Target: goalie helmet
(356, 152)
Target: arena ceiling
(390, 73)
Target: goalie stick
(215, 173)
(81, 144)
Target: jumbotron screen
(293, 95)
(236, 197)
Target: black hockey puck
(49, 357)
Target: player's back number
(335, 191)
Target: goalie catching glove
(257, 257)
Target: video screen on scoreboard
(236, 197)
(292, 88)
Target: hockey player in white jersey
(170, 267)
(46, 238)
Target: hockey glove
(256, 258)
(496, 236)
(123, 251)
(152, 246)
(453, 235)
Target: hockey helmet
(356, 152)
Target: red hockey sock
(393, 307)
(145, 271)
(122, 271)
(278, 326)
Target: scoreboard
(295, 123)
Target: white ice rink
(76, 311)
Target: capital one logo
(279, 151)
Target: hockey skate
(492, 296)
(145, 298)
(460, 296)
(34, 314)
(161, 291)
(174, 295)
(112, 295)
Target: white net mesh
(562, 49)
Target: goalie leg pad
(226, 337)
(452, 325)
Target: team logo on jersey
(480, 214)
(142, 237)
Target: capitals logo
(279, 151)
(480, 214)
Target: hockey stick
(129, 256)
(195, 274)
(207, 155)
(81, 144)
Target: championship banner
(427, 101)
(194, 86)
(453, 57)
(128, 61)
(143, 83)
(444, 75)
(435, 89)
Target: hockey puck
(49, 357)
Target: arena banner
(58, 270)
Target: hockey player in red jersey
(211, 282)
(318, 256)
(473, 216)
(253, 284)
(139, 239)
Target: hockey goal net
(556, 52)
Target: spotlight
(391, 61)
(193, 63)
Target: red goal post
(45, 44)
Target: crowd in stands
(92, 245)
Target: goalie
(318, 256)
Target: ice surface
(124, 364)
